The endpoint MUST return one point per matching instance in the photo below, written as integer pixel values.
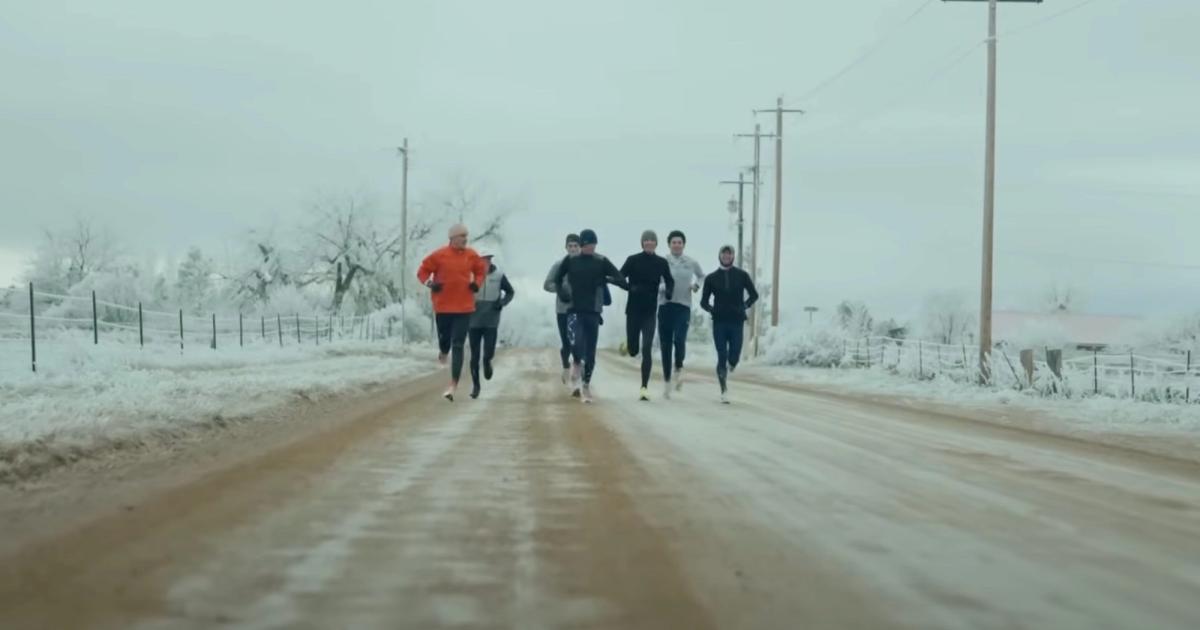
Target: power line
(1048, 18)
(958, 56)
(867, 54)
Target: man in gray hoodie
(561, 308)
(496, 293)
(675, 310)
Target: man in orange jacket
(454, 274)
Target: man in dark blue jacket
(732, 293)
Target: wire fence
(1170, 377)
(48, 317)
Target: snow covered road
(526, 509)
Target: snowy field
(87, 398)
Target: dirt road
(528, 510)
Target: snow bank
(89, 399)
(1085, 413)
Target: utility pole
(741, 219)
(779, 112)
(989, 195)
(758, 135)
(403, 150)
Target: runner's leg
(458, 338)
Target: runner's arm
(614, 275)
(753, 292)
(506, 288)
(706, 295)
(427, 269)
(668, 279)
(551, 285)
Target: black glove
(474, 287)
(499, 307)
(434, 286)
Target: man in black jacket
(732, 293)
(585, 275)
(644, 271)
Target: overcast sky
(177, 125)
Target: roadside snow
(86, 398)
(1088, 413)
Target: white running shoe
(566, 375)
(587, 393)
(667, 390)
(449, 393)
(725, 398)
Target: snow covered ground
(87, 398)
(1125, 421)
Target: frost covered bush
(819, 346)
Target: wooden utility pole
(779, 112)
(403, 150)
(989, 195)
(741, 219)
(758, 135)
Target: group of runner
(469, 293)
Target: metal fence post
(331, 329)
(141, 328)
(1187, 395)
(262, 321)
(241, 332)
(1096, 372)
(298, 340)
(32, 331)
(279, 328)
(920, 360)
(180, 331)
(95, 327)
(317, 329)
(214, 329)
(1132, 380)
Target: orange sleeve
(481, 270)
(428, 267)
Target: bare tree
(947, 316)
(470, 201)
(68, 256)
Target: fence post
(1132, 380)
(920, 361)
(964, 349)
(1096, 372)
(141, 329)
(180, 331)
(1187, 395)
(298, 339)
(331, 329)
(95, 327)
(317, 329)
(279, 328)
(214, 329)
(32, 331)
(241, 332)
(262, 321)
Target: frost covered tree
(1060, 297)
(193, 282)
(65, 257)
(946, 316)
(855, 318)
